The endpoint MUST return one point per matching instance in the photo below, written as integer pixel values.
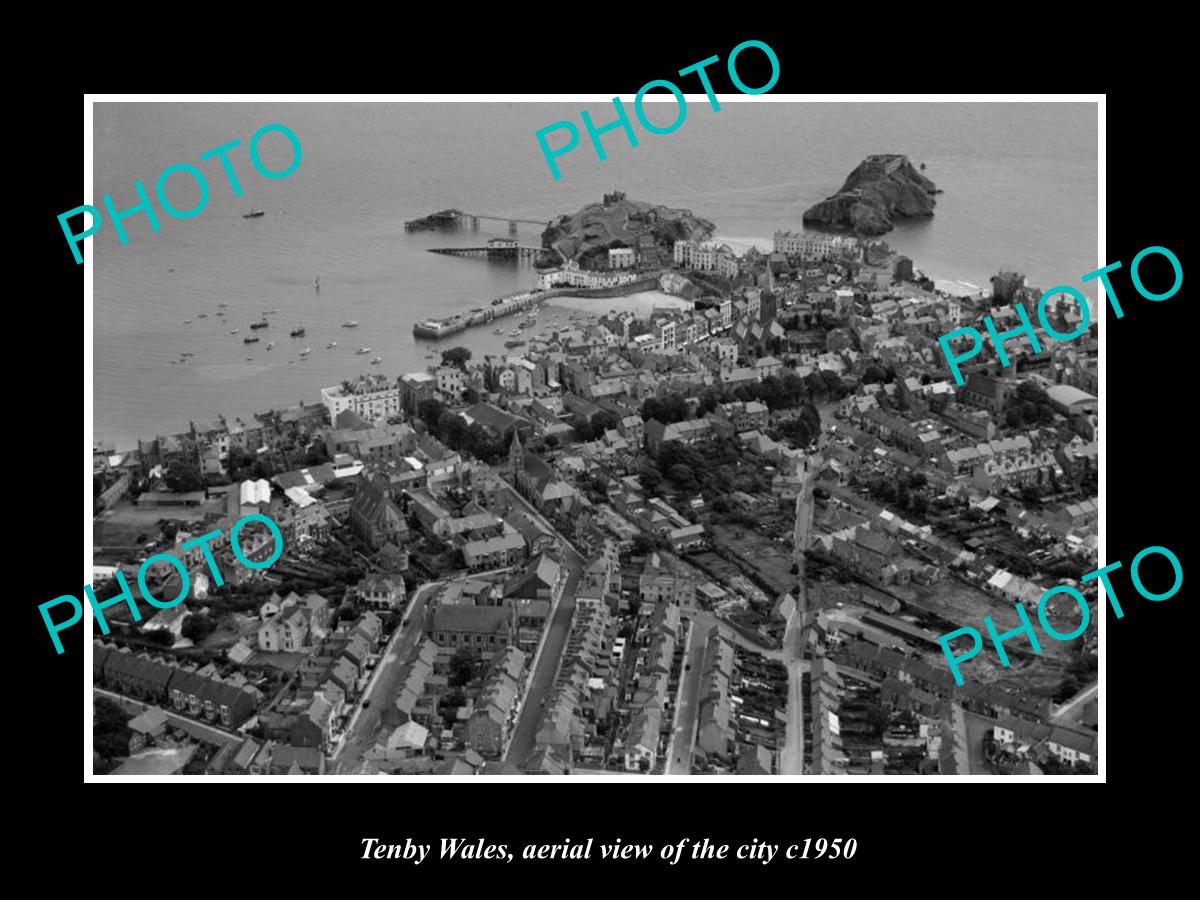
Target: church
(537, 482)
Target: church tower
(516, 458)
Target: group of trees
(592, 429)
(110, 729)
(181, 476)
(197, 626)
(877, 374)
(903, 492)
(715, 469)
(456, 356)
(1029, 406)
(785, 391)
(455, 433)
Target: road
(549, 655)
(687, 707)
(199, 730)
(791, 757)
(1083, 696)
(381, 690)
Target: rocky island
(588, 235)
(884, 187)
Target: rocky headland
(883, 188)
(588, 235)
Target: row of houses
(200, 694)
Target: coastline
(640, 304)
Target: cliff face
(884, 187)
(587, 236)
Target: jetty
(501, 306)
(497, 248)
(457, 220)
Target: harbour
(501, 306)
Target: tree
(463, 667)
(642, 544)
(110, 729)
(429, 412)
(683, 476)
(181, 477)
(650, 478)
(317, 454)
(196, 627)
(874, 374)
(456, 356)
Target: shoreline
(641, 303)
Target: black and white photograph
(437, 439)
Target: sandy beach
(640, 304)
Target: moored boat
(298, 332)
(250, 340)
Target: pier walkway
(457, 220)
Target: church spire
(516, 453)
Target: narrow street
(546, 662)
(381, 689)
(791, 757)
(683, 733)
(1061, 712)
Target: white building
(374, 397)
(814, 247)
(570, 275)
(707, 256)
(621, 258)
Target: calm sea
(1020, 186)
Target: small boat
(187, 321)
(250, 340)
(350, 323)
(249, 359)
(498, 331)
(261, 323)
(306, 351)
(331, 345)
(363, 350)
(516, 332)
(235, 331)
(187, 353)
(922, 167)
(298, 332)
(376, 360)
(222, 304)
(317, 282)
(253, 214)
(202, 316)
(267, 312)
(271, 346)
